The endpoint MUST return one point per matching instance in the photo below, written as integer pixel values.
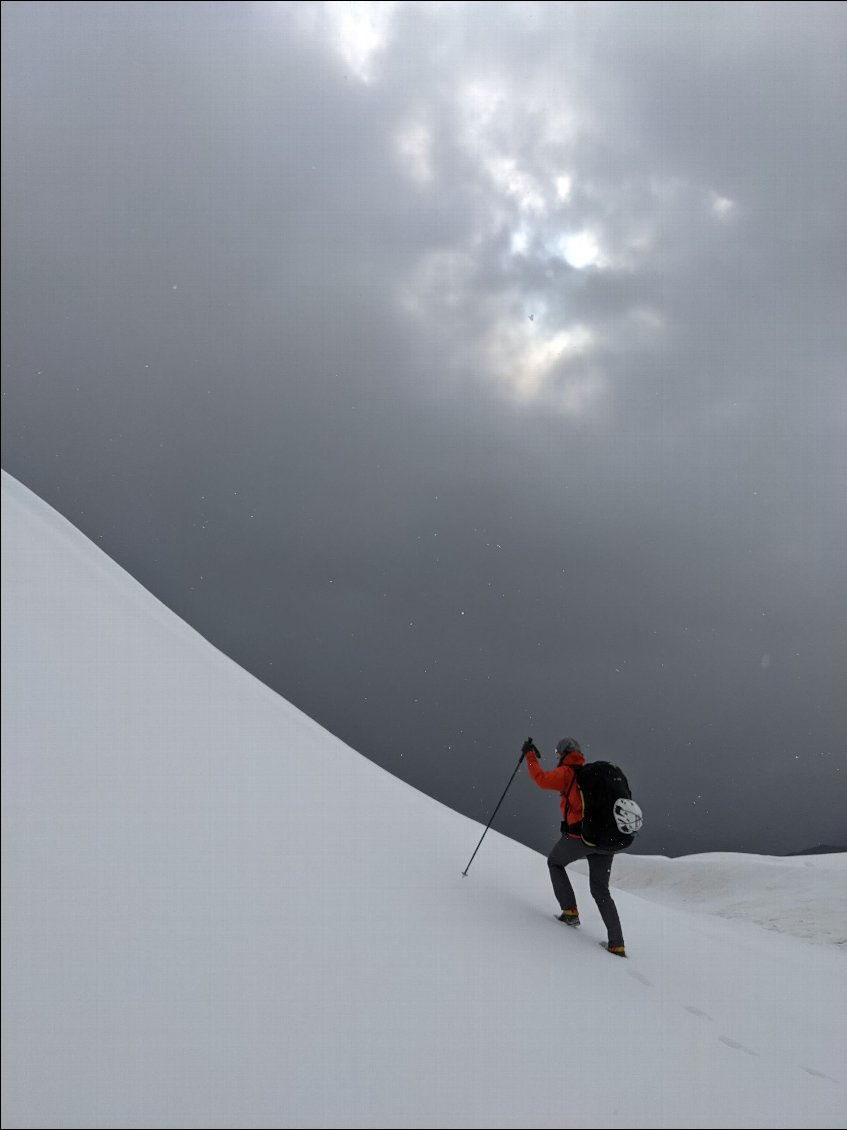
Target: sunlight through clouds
(359, 31)
(531, 272)
(581, 250)
(554, 367)
(514, 345)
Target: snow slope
(217, 914)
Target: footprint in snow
(696, 1011)
(819, 1075)
(734, 1044)
(639, 977)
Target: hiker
(571, 846)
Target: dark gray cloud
(463, 371)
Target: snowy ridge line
(804, 896)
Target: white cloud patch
(517, 183)
(519, 241)
(359, 30)
(721, 205)
(564, 186)
(555, 366)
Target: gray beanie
(568, 745)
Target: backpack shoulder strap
(566, 793)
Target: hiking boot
(619, 951)
(571, 917)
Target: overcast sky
(465, 371)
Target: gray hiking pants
(568, 850)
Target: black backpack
(604, 821)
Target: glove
(528, 747)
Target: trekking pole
(493, 814)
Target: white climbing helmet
(628, 816)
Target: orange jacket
(563, 781)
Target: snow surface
(218, 915)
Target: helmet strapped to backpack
(627, 816)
